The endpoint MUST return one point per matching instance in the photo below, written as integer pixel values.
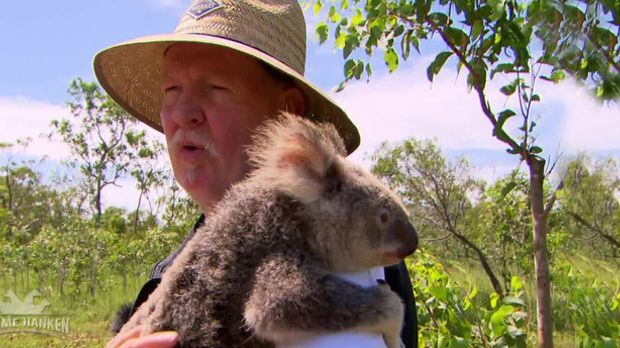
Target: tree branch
(552, 199)
(602, 233)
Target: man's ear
(293, 100)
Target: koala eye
(384, 217)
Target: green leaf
(473, 292)
(391, 59)
(358, 18)
(350, 43)
(349, 67)
(359, 69)
(317, 7)
(440, 293)
(322, 30)
(536, 149)
(557, 76)
(399, 30)
(332, 12)
(494, 298)
(497, 9)
(498, 318)
(341, 40)
(459, 342)
(514, 301)
(436, 65)
(507, 189)
(405, 44)
(509, 89)
(607, 342)
(476, 29)
(504, 116)
(439, 18)
(421, 8)
(516, 284)
(457, 37)
(466, 304)
(514, 332)
(503, 68)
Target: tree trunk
(9, 191)
(541, 259)
(135, 221)
(98, 203)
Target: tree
(24, 199)
(503, 212)
(180, 211)
(505, 37)
(436, 192)
(590, 198)
(96, 138)
(146, 167)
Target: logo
(25, 307)
(202, 7)
(27, 315)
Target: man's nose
(188, 111)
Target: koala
(260, 272)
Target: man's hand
(132, 339)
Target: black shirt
(396, 276)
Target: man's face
(213, 98)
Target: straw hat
(272, 31)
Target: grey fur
(260, 270)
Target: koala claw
(393, 342)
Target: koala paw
(393, 342)
(393, 320)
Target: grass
(90, 320)
(587, 273)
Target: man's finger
(164, 339)
(119, 339)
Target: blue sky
(45, 44)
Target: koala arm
(291, 302)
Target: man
(229, 66)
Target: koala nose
(406, 236)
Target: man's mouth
(192, 147)
(192, 153)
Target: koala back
(208, 285)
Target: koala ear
(304, 166)
(297, 156)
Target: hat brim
(131, 73)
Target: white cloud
(402, 105)
(588, 125)
(397, 106)
(124, 195)
(24, 117)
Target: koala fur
(260, 270)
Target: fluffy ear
(296, 156)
